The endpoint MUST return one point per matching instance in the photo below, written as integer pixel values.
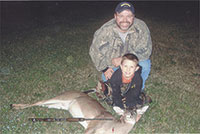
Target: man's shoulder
(139, 23)
(137, 20)
(109, 25)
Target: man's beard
(122, 28)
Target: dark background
(20, 16)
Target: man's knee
(146, 65)
(146, 68)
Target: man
(123, 34)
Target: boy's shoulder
(139, 71)
(116, 76)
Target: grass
(47, 59)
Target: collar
(125, 80)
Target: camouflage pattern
(107, 43)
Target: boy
(126, 83)
(123, 89)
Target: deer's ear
(137, 68)
(142, 110)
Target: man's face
(124, 20)
(128, 68)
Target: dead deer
(81, 105)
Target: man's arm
(99, 50)
(143, 47)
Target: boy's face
(128, 68)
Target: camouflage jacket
(107, 43)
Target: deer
(82, 105)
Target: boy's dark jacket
(133, 90)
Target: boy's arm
(116, 96)
(99, 50)
(134, 91)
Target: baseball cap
(124, 6)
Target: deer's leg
(52, 103)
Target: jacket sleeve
(132, 97)
(116, 96)
(143, 49)
(99, 50)
(115, 83)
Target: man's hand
(108, 73)
(116, 61)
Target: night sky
(23, 15)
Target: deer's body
(81, 105)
